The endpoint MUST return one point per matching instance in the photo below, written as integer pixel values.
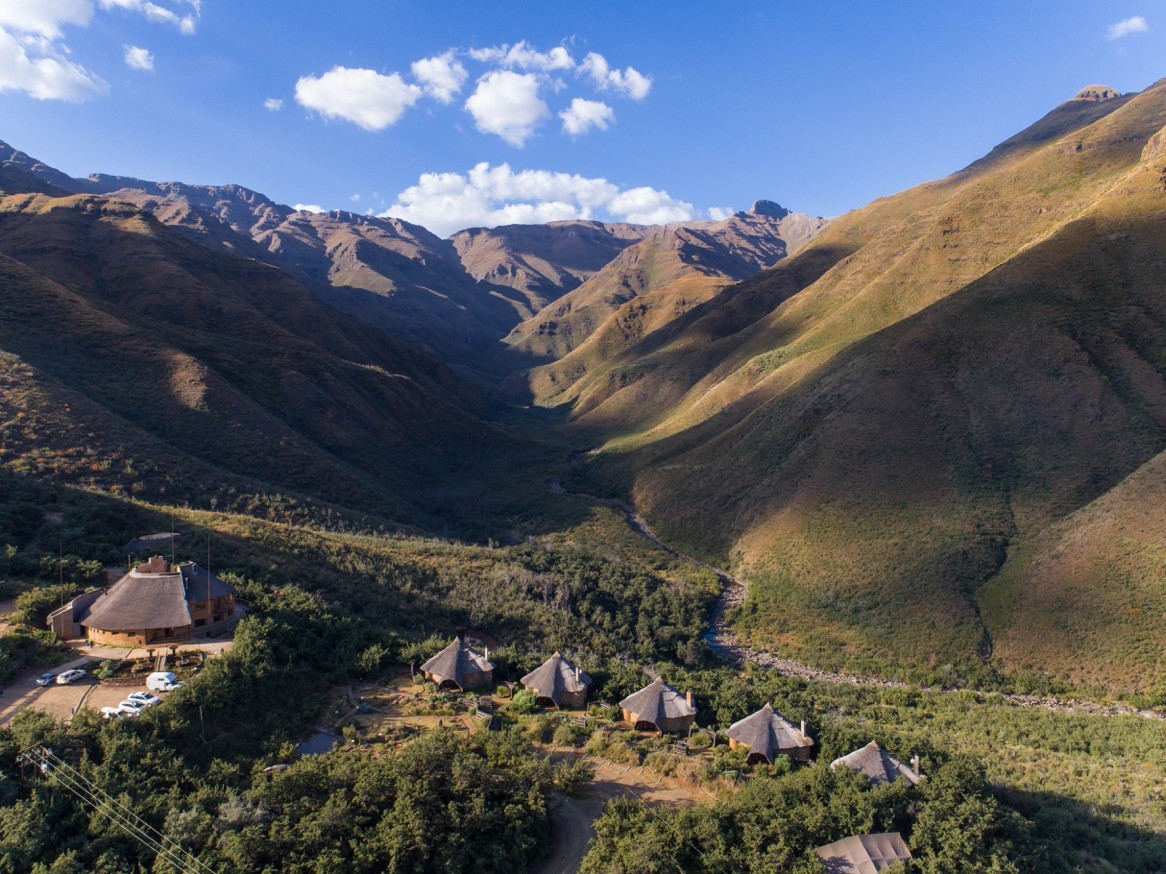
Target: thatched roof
(877, 765)
(456, 661)
(143, 600)
(657, 701)
(152, 543)
(864, 854)
(765, 732)
(554, 676)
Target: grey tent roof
(766, 731)
(152, 542)
(877, 765)
(554, 676)
(864, 854)
(457, 660)
(657, 701)
(138, 600)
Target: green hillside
(876, 427)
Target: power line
(69, 778)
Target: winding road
(725, 644)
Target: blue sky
(820, 106)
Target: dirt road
(573, 816)
(60, 701)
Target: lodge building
(156, 602)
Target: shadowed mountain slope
(140, 362)
(914, 414)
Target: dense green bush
(34, 605)
(774, 825)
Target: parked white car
(131, 708)
(46, 679)
(145, 698)
(70, 677)
(111, 712)
(162, 681)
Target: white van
(162, 681)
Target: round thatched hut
(660, 708)
(767, 734)
(459, 667)
(879, 766)
(557, 682)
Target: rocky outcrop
(1097, 93)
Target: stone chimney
(156, 565)
(487, 652)
(688, 697)
(803, 728)
(915, 765)
(577, 679)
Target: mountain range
(451, 298)
(161, 338)
(929, 433)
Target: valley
(895, 473)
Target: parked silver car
(70, 677)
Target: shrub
(34, 606)
(565, 735)
(524, 702)
(661, 763)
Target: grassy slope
(867, 428)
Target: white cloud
(507, 104)
(496, 195)
(308, 207)
(582, 115)
(364, 97)
(44, 17)
(648, 206)
(525, 57)
(629, 81)
(35, 60)
(273, 104)
(186, 23)
(355, 198)
(1136, 24)
(442, 76)
(720, 213)
(44, 74)
(138, 58)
